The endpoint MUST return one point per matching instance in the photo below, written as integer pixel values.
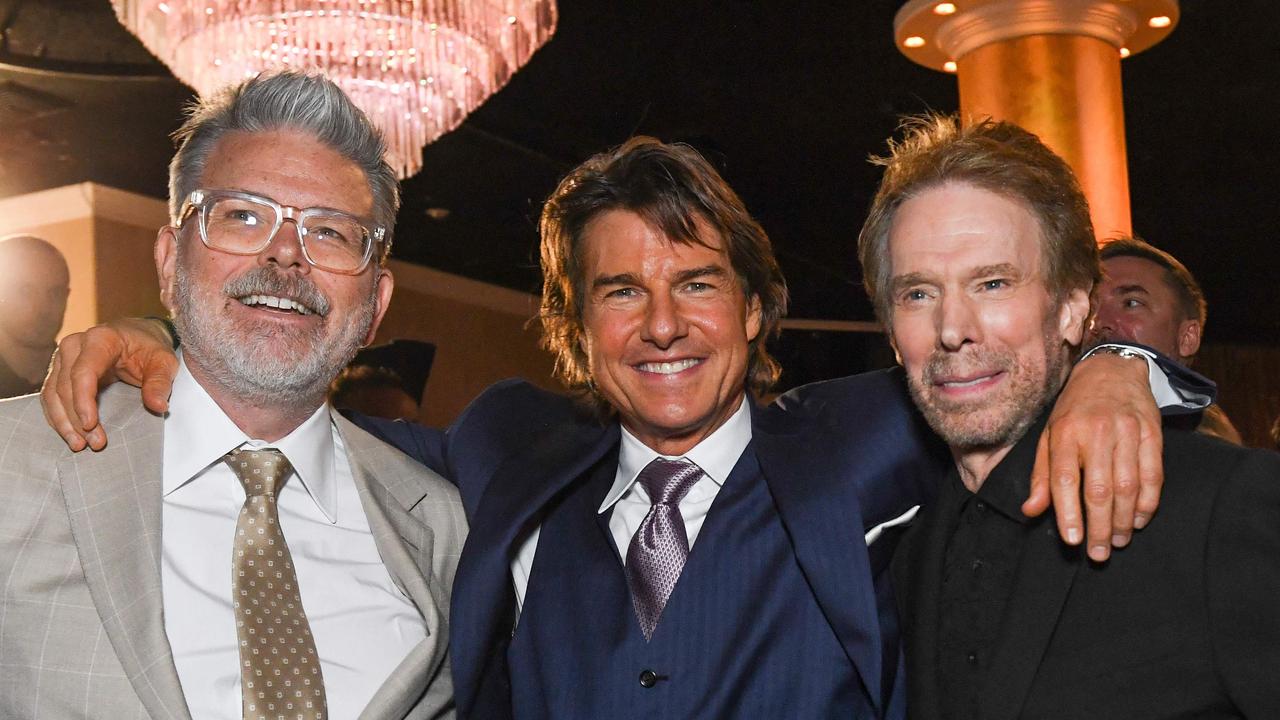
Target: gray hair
(301, 101)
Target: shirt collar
(1009, 483)
(197, 434)
(716, 455)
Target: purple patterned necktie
(659, 548)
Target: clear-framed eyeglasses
(241, 223)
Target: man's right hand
(136, 351)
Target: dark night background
(787, 98)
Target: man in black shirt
(980, 257)
(34, 283)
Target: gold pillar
(1051, 66)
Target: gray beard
(249, 364)
(1028, 397)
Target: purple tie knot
(668, 481)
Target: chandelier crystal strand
(417, 67)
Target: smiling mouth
(972, 382)
(274, 302)
(668, 368)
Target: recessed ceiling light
(949, 66)
(1124, 52)
(944, 8)
(914, 41)
(1160, 21)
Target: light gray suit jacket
(81, 623)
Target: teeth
(276, 302)
(668, 368)
(967, 383)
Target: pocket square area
(874, 533)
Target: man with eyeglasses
(249, 554)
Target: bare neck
(975, 465)
(267, 419)
(677, 444)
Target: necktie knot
(668, 481)
(261, 472)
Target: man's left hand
(1105, 426)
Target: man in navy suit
(659, 293)
(755, 586)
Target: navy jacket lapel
(483, 598)
(822, 515)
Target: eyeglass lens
(333, 240)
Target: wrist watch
(1124, 352)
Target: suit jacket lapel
(1046, 569)
(822, 515)
(1046, 572)
(406, 545)
(405, 542)
(508, 510)
(114, 500)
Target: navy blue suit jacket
(840, 457)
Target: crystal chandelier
(417, 67)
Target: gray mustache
(266, 281)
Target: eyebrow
(682, 276)
(704, 271)
(898, 282)
(997, 269)
(619, 279)
(1125, 289)
(908, 279)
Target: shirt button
(648, 678)
(976, 565)
(981, 505)
(972, 658)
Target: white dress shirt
(363, 625)
(1165, 394)
(716, 456)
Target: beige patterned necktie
(279, 668)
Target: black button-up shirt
(977, 577)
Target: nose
(957, 323)
(664, 322)
(285, 248)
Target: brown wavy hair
(998, 157)
(671, 187)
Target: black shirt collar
(1009, 483)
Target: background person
(373, 391)
(34, 285)
(1147, 296)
